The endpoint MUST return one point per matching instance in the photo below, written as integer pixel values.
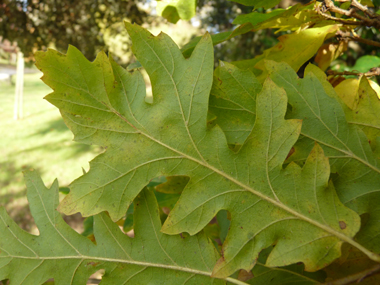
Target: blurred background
(33, 135)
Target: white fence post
(17, 114)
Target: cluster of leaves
(246, 174)
(177, 9)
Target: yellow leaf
(295, 49)
(366, 3)
(329, 52)
(295, 18)
(375, 87)
(347, 90)
(366, 114)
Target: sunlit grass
(40, 140)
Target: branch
(343, 21)
(365, 9)
(364, 41)
(358, 277)
(372, 20)
(353, 37)
(373, 72)
(330, 6)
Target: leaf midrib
(232, 179)
(349, 154)
(147, 264)
(205, 164)
(328, 229)
(134, 262)
(363, 124)
(246, 187)
(176, 92)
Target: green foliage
(174, 10)
(61, 253)
(257, 175)
(365, 63)
(258, 3)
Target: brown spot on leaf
(292, 150)
(342, 225)
(245, 275)
(166, 210)
(213, 221)
(93, 263)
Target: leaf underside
(356, 167)
(295, 208)
(70, 258)
(337, 130)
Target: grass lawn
(41, 141)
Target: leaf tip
(30, 174)
(29, 170)
(206, 38)
(131, 27)
(318, 150)
(165, 228)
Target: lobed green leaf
(70, 258)
(294, 208)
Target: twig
(358, 277)
(347, 36)
(365, 9)
(364, 41)
(372, 20)
(373, 72)
(343, 21)
(330, 6)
